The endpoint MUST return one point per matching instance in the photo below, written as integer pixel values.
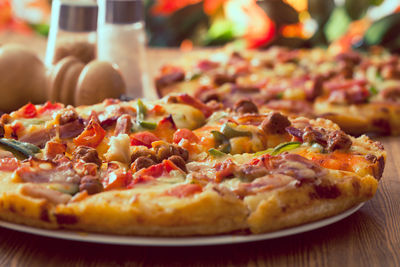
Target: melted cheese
(119, 149)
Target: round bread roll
(22, 78)
(63, 80)
(99, 80)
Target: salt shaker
(73, 31)
(122, 41)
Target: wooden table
(370, 237)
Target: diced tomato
(154, 171)
(117, 179)
(16, 128)
(143, 139)
(158, 170)
(343, 84)
(224, 169)
(49, 107)
(28, 111)
(91, 136)
(205, 65)
(185, 134)
(255, 161)
(53, 149)
(166, 128)
(241, 68)
(8, 164)
(167, 69)
(263, 160)
(157, 110)
(338, 160)
(187, 99)
(169, 166)
(83, 168)
(111, 101)
(140, 180)
(184, 190)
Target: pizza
(360, 92)
(178, 167)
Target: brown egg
(63, 79)
(22, 77)
(99, 80)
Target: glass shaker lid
(124, 11)
(78, 16)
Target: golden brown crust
(135, 212)
(381, 118)
(149, 214)
(286, 208)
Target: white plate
(177, 241)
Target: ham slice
(39, 138)
(71, 129)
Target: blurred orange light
(294, 30)
(259, 29)
(354, 34)
(211, 6)
(167, 7)
(186, 45)
(299, 5)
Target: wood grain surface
(370, 237)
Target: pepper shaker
(122, 41)
(72, 31)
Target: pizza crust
(137, 212)
(380, 118)
(286, 208)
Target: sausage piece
(390, 72)
(338, 140)
(347, 62)
(86, 154)
(316, 89)
(275, 123)
(67, 116)
(391, 94)
(170, 78)
(91, 185)
(221, 78)
(142, 163)
(147, 153)
(245, 106)
(209, 96)
(164, 151)
(179, 162)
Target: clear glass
(125, 46)
(62, 43)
